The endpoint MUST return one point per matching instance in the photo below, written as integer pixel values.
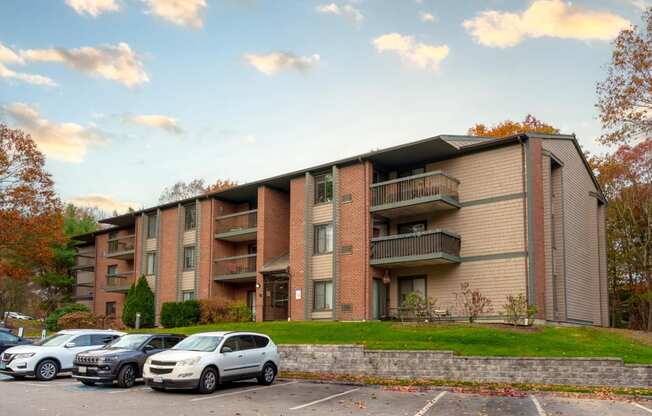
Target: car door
(251, 352)
(232, 361)
(8, 340)
(76, 345)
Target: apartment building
(349, 240)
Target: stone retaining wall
(444, 365)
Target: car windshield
(198, 343)
(56, 340)
(128, 342)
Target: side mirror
(70, 345)
(226, 349)
(148, 348)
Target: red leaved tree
(509, 128)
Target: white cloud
(115, 62)
(427, 17)
(102, 202)
(274, 62)
(29, 78)
(552, 18)
(166, 123)
(641, 4)
(93, 7)
(67, 142)
(179, 12)
(9, 56)
(420, 55)
(347, 11)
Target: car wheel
(208, 381)
(268, 374)
(127, 376)
(46, 370)
(87, 382)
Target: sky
(126, 97)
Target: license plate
(82, 370)
(2, 365)
(157, 379)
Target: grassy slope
(463, 339)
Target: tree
(626, 179)
(182, 190)
(31, 223)
(509, 128)
(625, 96)
(140, 299)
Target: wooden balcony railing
(236, 265)
(423, 185)
(121, 244)
(415, 246)
(239, 221)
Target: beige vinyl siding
(494, 278)
(85, 277)
(188, 280)
(151, 281)
(189, 237)
(150, 244)
(485, 174)
(322, 266)
(580, 225)
(322, 213)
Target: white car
(53, 355)
(204, 360)
(18, 316)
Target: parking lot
(66, 396)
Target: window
(407, 285)
(171, 341)
(189, 258)
(412, 227)
(323, 296)
(323, 239)
(111, 270)
(190, 217)
(110, 310)
(155, 343)
(102, 339)
(188, 296)
(151, 264)
(6, 337)
(246, 342)
(151, 226)
(323, 188)
(82, 341)
(231, 343)
(410, 172)
(261, 342)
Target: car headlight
(24, 355)
(108, 359)
(189, 361)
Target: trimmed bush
(215, 310)
(51, 322)
(178, 314)
(140, 299)
(76, 320)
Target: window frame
(411, 224)
(189, 223)
(106, 309)
(322, 191)
(328, 300)
(402, 279)
(110, 268)
(151, 226)
(148, 255)
(189, 267)
(187, 292)
(316, 239)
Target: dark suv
(121, 360)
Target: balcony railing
(237, 227)
(426, 247)
(413, 189)
(119, 282)
(235, 267)
(121, 246)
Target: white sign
(297, 294)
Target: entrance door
(380, 299)
(251, 302)
(276, 287)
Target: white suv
(202, 361)
(53, 355)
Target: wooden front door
(276, 289)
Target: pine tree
(140, 299)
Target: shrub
(140, 299)
(51, 322)
(419, 307)
(239, 312)
(78, 319)
(216, 310)
(516, 310)
(472, 302)
(178, 314)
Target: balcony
(240, 226)
(236, 268)
(414, 195)
(119, 282)
(121, 248)
(415, 249)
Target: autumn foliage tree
(30, 212)
(625, 96)
(184, 190)
(510, 128)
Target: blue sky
(126, 97)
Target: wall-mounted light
(257, 285)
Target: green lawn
(485, 340)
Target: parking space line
(640, 406)
(215, 396)
(130, 390)
(540, 410)
(431, 403)
(324, 399)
